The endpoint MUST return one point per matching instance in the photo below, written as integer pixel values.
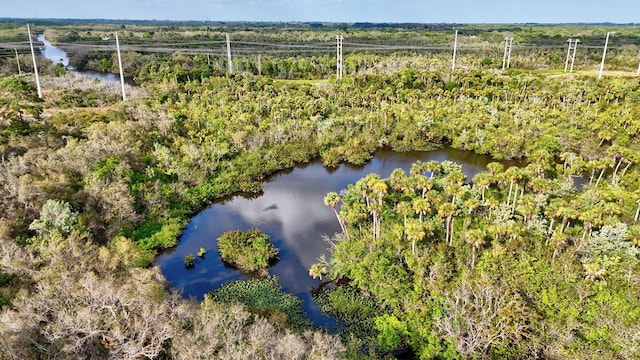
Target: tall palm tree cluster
(412, 240)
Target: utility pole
(259, 65)
(124, 95)
(339, 40)
(18, 61)
(229, 54)
(604, 54)
(455, 49)
(573, 58)
(509, 54)
(35, 64)
(506, 59)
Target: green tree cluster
(494, 267)
(250, 250)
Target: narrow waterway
(291, 210)
(59, 56)
(55, 54)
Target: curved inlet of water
(291, 210)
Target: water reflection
(55, 54)
(292, 212)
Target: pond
(292, 211)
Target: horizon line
(605, 23)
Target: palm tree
(415, 232)
(397, 179)
(447, 211)
(527, 207)
(557, 240)
(483, 181)
(601, 164)
(423, 184)
(378, 187)
(455, 190)
(495, 168)
(432, 167)
(332, 200)
(318, 270)
(512, 174)
(421, 207)
(417, 168)
(404, 208)
(475, 238)
(567, 213)
(471, 204)
(541, 161)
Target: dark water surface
(291, 210)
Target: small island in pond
(249, 250)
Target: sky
(420, 11)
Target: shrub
(189, 259)
(265, 297)
(201, 252)
(249, 250)
(55, 216)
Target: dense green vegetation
(249, 250)
(538, 261)
(514, 263)
(265, 297)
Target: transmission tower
(339, 40)
(506, 59)
(571, 54)
(573, 57)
